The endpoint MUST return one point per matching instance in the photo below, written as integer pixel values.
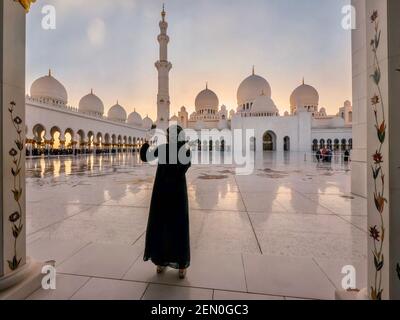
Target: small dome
(48, 87)
(174, 118)
(264, 104)
(251, 88)
(347, 104)
(147, 123)
(117, 113)
(91, 104)
(135, 119)
(304, 95)
(206, 99)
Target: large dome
(117, 113)
(206, 99)
(48, 87)
(135, 119)
(304, 95)
(91, 104)
(147, 123)
(251, 88)
(264, 105)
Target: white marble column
(383, 132)
(360, 100)
(12, 92)
(376, 84)
(18, 275)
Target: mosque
(54, 127)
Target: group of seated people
(326, 154)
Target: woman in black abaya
(167, 236)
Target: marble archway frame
(19, 275)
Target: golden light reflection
(42, 167)
(56, 168)
(68, 166)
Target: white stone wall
(280, 126)
(360, 101)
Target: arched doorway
(286, 144)
(350, 144)
(344, 144)
(329, 144)
(315, 145)
(269, 141)
(337, 144)
(55, 134)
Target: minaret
(163, 66)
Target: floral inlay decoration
(377, 233)
(16, 153)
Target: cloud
(96, 32)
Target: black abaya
(167, 235)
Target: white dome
(48, 87)
(251, 88)
(135, 119)
(206, 99)
(304, 95)
(91, 104)
(264, 104)
(147, 123)
(174, 118)
(117, 113)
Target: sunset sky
(111, 46)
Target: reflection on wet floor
(45, 167)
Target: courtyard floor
(283, 232)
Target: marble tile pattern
(283, 232)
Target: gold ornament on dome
(26, 4)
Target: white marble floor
(284, 232)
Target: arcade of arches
(55, 141)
